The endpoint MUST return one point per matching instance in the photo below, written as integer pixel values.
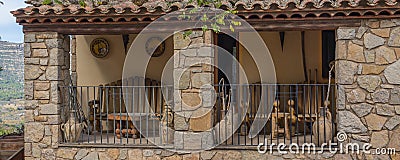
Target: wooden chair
(124, 118)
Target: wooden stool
(276, 129)
(120, 130)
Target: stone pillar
(46, 68)
(74, 75)
(193, 76)
(368, 74)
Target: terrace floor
(237, 140)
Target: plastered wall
(289, 61)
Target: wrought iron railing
(108, 114)
(112, 114)
(292, 113)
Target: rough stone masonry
(368, 95)
(193, 76)
(46, 69)
(368, 74)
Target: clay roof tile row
(163, 6)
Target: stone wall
(193, 76)
(368, 74)
(46, 68)
(368, 98)
(158, 154)
(74, 75)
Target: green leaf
(215, 28)
(204, 28)
(218, 5)
(236, 23)
(57, 1)
(221, 21)
(194, 10)
(231, 28)
(187, 33)
(47, 2)
(200, 2)
(204, 18)
(82, 3)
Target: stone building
(74, 69)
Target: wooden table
(124, 122)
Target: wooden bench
(111, 106)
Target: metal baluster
(126, 101)
(326, 109)
(133, 109)
(333, 103)
(107, 101)
(284, 112)
(88, 110)
(316, 107)
(140, 112)
(297, 112)
(119, 90)
(252, 104)
(290, 112)
(304, 113)
(94, 113)
(146, 103)
(153, 103)
(310, 109)
(272, 96)
(114, 115)
(100, 109)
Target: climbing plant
(202, 9)
(208, 19)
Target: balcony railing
(110, 115)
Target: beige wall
(94, 71)
(288, 62)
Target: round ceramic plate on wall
(155, 44)
(99, 47)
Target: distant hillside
(12, 75)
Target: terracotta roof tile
(152, 6)
(266, 10)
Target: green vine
(82, 3)
(49, 2)
(210, 22)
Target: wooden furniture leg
(274, 126)
(133, 130)
(287, 130)
(118, 130)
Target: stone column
(193, 76)
(74, 75)
(368, 74)
(46, 68)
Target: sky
(9, 29)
